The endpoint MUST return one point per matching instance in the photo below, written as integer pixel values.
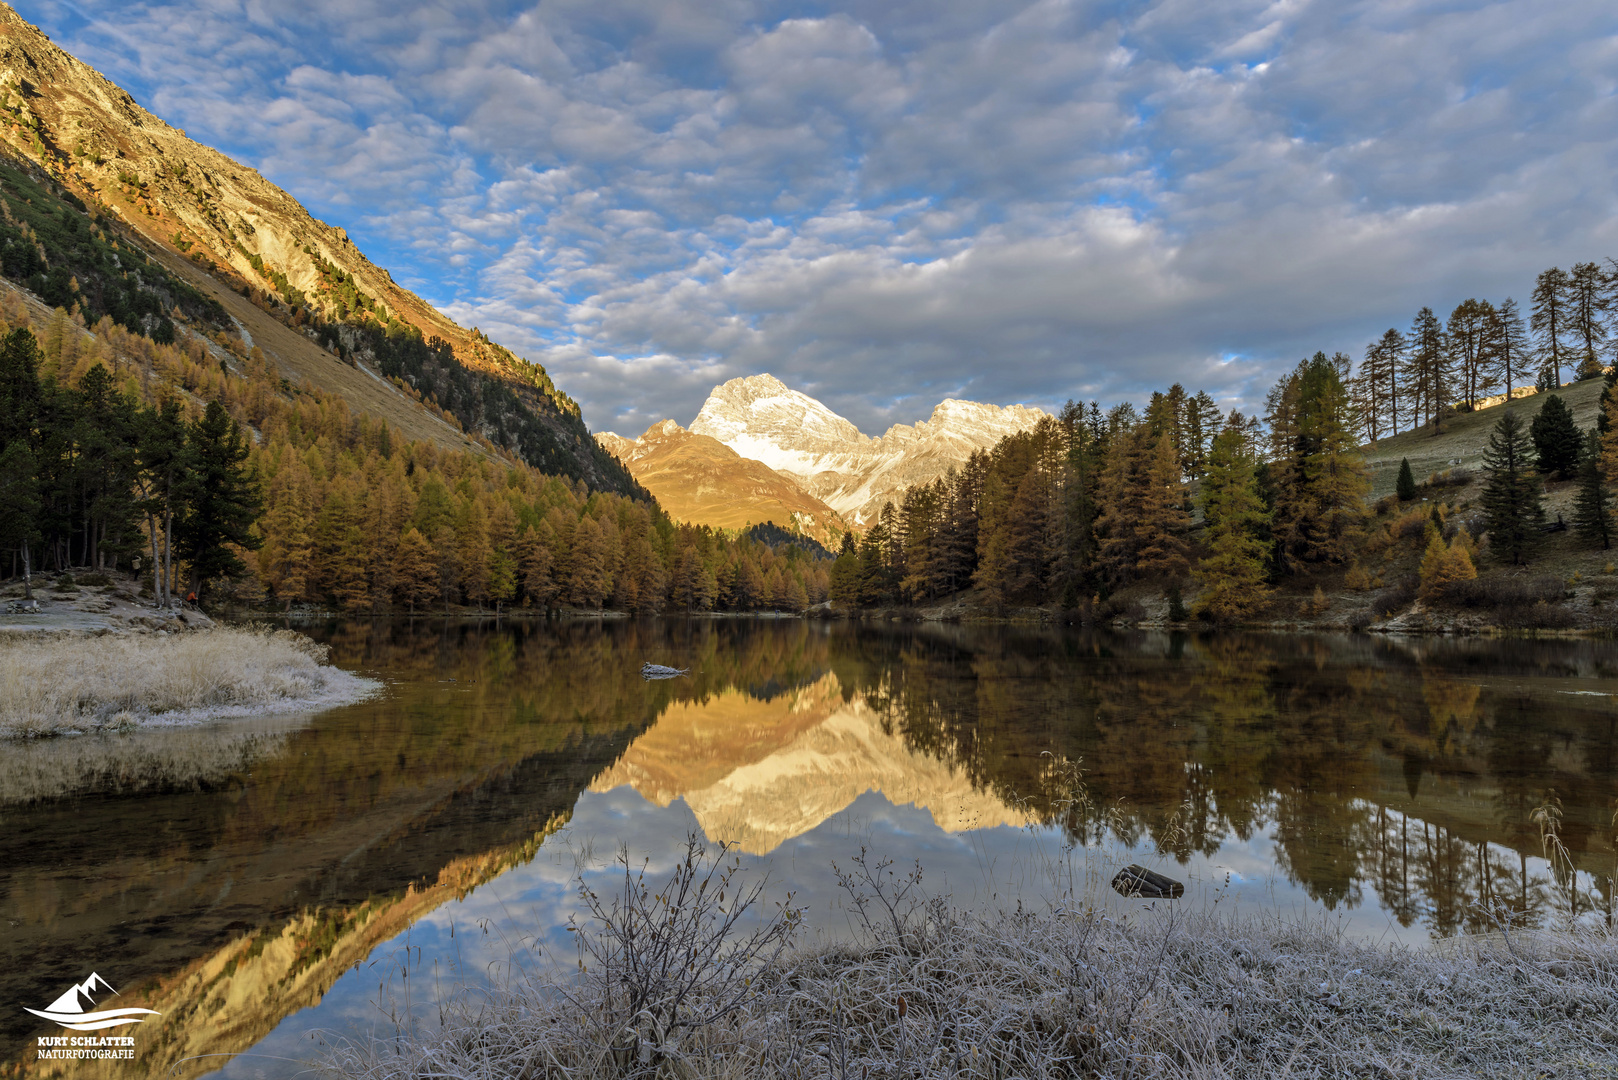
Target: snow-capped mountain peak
(761, 418)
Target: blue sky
(889, 203)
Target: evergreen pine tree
(104, 470)
(1513, 502)
(1557, 442)
(875, 585)
(537, 560)
(502, 578)
(1405, 486)
(1122, 484)
(19, 506)
(1550, 324)
(843, 588)
(1202, 425)
(1233, 573)
(1603, 420)
(1086, 455)
(1467, 336)
(1586, 317)
(1024, 533)
(1161, 549)
(920, 526)
(1429, 369)
(1592, 510)
(415, 575)
(472, 530)
(20, 399)
(162, 466)
(1318, 474)
(1507, 344)
(449, 563)
(221, 499)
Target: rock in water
(1139, 881)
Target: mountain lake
(267, 886)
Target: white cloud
(888, 202)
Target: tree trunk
(157, 565)
(27, 572)
(168, 556)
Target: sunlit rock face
(700, 480)
(762, 772)
(854, 474)
(198, 209)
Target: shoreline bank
(931, 992)
(58, 683)
(1411, 624)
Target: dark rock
(1148, 884)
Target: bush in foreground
(69, 682)
(664, 989)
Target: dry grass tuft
(1070, 991)
(68, 682)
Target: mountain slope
(854, 474)
(702, 481)
(223, 233)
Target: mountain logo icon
(76, 1008)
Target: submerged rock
(1138, 881)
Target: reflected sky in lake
(256, 889)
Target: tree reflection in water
(1404, 770)
(1409, 766)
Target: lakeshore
(254, 881)
(929, 992)
(67, 680)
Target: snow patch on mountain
(761, 418)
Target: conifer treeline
(1409, 379)
(348, 515)
(1088, 502)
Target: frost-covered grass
(1069, 990)
(73, 682)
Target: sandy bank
(68, 682)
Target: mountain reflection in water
(230, 876)
(759, 771)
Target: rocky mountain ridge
(854, 474)
(225, 230)
(699, 480)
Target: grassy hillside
(201, 237)
(1464, 436)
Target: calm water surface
(255, 882)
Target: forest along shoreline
(190, 467)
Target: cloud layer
(885, 204)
